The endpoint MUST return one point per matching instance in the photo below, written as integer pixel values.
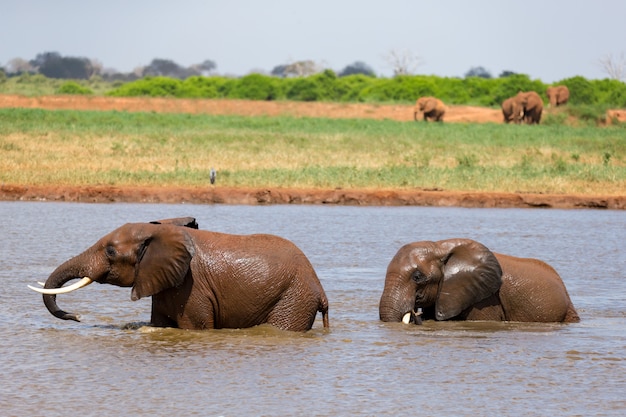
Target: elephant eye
(110, 251)
(417, 276)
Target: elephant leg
(295, 311)
(175, 307)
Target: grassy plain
(41, 147)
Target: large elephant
(511, 111)
(557, 95)
(460, 279)
(431, 107)
(199, 279)
(531, 104)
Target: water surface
(111, 364)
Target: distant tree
(206, 67)
(42, 58)
(480, 72)
(279, 70)
(403, 62)
(19, 66)
(165, 68)
(53, 65)
(614, 67)
(297, 69)
(96, 66)
(506, 73)
(357, 67)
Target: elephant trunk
(394, 304)
(64, 273)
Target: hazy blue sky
(546, 39)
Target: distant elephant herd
(525, 107)
(200, 279)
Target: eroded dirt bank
(230, 195)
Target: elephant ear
(162, 260)
(471, 273)
(179, 221)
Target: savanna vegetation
(119, 148)
(326, 86)
(589, 101)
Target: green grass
(120, 148)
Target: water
(111, 364)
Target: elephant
(199, 279)
(511, 111)
(461, 279)
(532, 106)
(432, 107)
(558, 95)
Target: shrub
(72, 87)
(580, 90)
(610, 92)
(203, 87)
(403, 88)
(255, 87)
(149, 86)
(349, 87)
(318, 87)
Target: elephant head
(443, 278)
(558, 95)
(531, 105)
(149, 257)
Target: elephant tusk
(43, 284)
(53, 291)
(415, 315)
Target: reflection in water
(360, 366)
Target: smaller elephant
(558, 95)
(199, 279)
(431, 107)
(531, 105)
(511, 111)
(461, 279)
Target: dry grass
(88, 148)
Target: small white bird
(212, 175)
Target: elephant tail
(323, 308)
(572, 315)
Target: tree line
(54, 65)
(306, 81)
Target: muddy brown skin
(200, 279)
(461, 279)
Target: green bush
(255, 87)
(327, 86)
(402, 88)
(349, 87)
(204, 87)
(72, 87)
(610, 92)
(150, 86)
(581, 91)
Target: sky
(548, 40)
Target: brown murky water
(112, 364)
